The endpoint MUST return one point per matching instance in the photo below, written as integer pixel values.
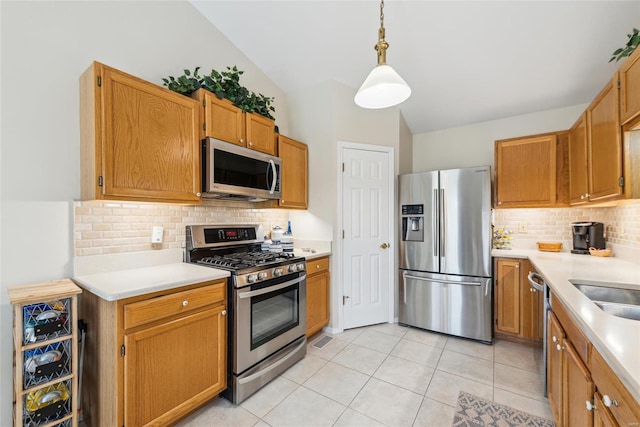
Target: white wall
(45, 46)
(472, 145)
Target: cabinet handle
(185, 303)
(223, 312)
(589, 405)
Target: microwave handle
(274, 181)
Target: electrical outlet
(156, 235)
(523, 227)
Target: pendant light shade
(383, 87)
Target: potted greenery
(225, 85)
(632, 44)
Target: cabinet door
(260, 133)
(317, 302)
(605, 144)
(526, 172)
(528, 304)
(222, 119)
(630, 88)
(555, 337)
(295, 172)
(150, 141)
(171, 368)
(601, 415)
(577, 389)
(578, 164)
(508, 296)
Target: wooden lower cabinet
(582, 389)
(518, 305)
(317, 294)
(152, 359)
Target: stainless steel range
(267, 303)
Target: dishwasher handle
(532, 277)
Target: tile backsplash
(622, 223)
(115, 227)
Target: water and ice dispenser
(412, 223)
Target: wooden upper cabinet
(260, 133)
(532, 171)
(630, 88)
(226, 122)
(222, 119)
(295, 172)
(578, 162)
(139, 141)
(605, 144)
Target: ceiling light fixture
(383, 87)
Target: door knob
(384, 246)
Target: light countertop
(119, 284)
(317, 253)
(617, 339)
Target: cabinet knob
(242, 140)
(185, 303)
(250, 144)
(554, 339)
(318, 266)
(198, 194)
(224, 312)
(589, 405)
(608, 401)
(559, 347)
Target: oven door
(268, 316)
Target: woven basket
(549, 246)
(600, 252)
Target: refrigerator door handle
(443, 226)
(426, 279)
(404, 286)
(435, 222)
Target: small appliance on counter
(587, 235)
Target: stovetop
(245, 260)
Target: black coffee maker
(587, 235)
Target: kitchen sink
(616, 301)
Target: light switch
(156, 235)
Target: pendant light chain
(382, 45)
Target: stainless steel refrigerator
(445, 252)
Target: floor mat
(473, 411)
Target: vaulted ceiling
(466, 61)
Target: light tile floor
(387, 375)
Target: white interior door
(367, 206)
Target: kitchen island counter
(119, 284)
(616, 339)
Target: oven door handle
(271, 288)
(273, 366)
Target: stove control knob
(292, 268)
(262, 275)
(301, 267)
(251, 278)
(277, 272)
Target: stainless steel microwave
(231, 172)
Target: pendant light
(383, 87)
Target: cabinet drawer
(623, 407)
(317, 265)
(139, 313)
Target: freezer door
(455, 305)
(465, 221)
(419, 242)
